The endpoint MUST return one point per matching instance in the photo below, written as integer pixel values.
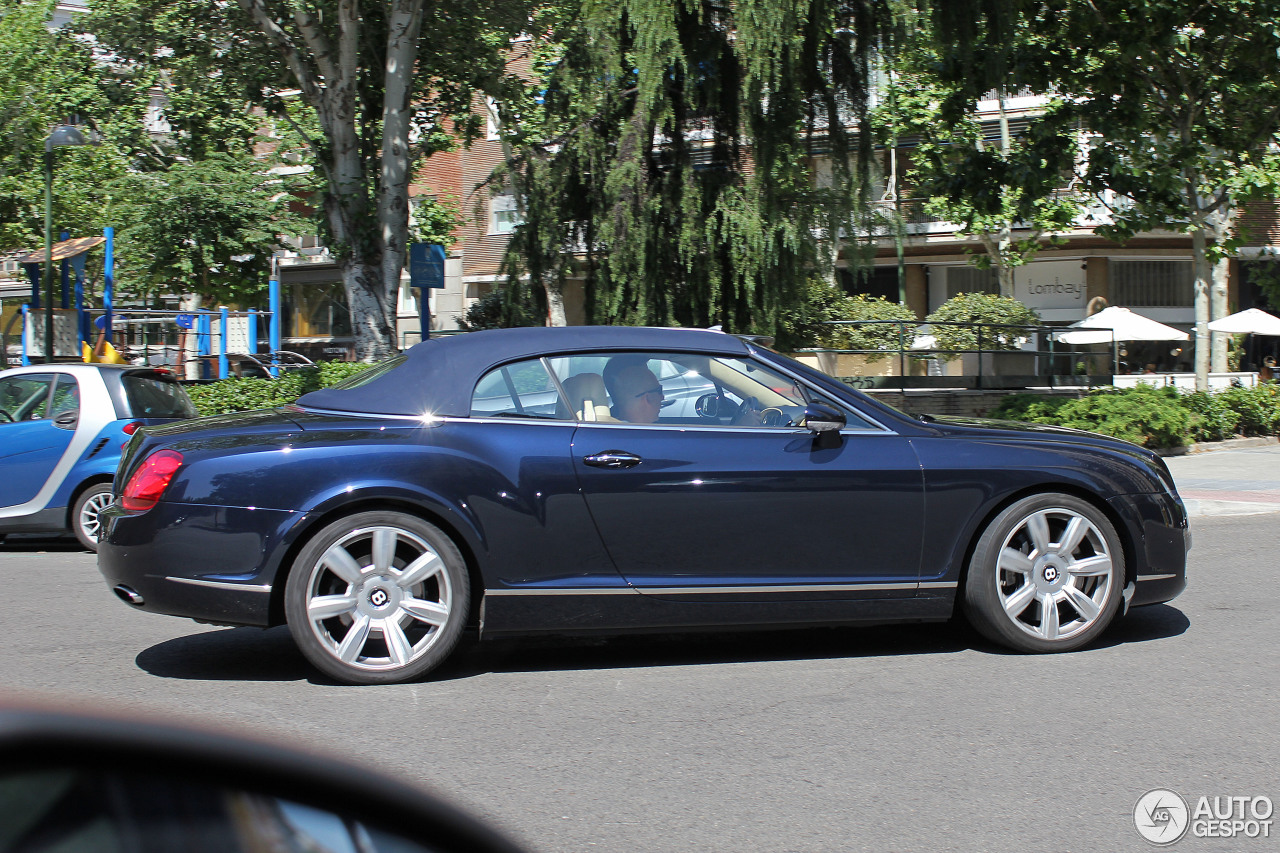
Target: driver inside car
(636, 393)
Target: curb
(1229, 444)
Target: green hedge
(1155, 417)
(242, 395)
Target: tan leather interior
(588, 398)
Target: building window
(503, 215)
(1151, 284)
(969, 279)
(316, 311)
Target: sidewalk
(1231, 478)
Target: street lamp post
(65, 135)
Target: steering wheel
(8, 417)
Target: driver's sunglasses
(657, 391)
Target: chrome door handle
(612, 459)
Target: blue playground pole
(273, 330)
(252, 335)
(26, 360)
(108, 279)
(222, 343)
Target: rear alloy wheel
(85, 522)
(1046, 575)
(377, 598)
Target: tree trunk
(403, 26)
(1203, 275)
(1218, 310)
(374, 335)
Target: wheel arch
(1127, 545)
(313, 524)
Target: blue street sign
(426, 265)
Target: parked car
(62, 428)
(489, 480)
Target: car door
(36, 428)
(705, 500)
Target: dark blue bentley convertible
(605, 479)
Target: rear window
(153, 395)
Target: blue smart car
(62, 427)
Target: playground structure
(197, 344)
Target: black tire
(364, 623)
(84, 514)
(1047, 575)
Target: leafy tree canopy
(675, 151)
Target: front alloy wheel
(1046, 575)
(377, 598)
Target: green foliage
(1152, 417)
(673, 149)
(497, 309)
(1002, 319)
(1007, 192)
(1258, 408)
(206, 226)
(877, 334)
(1214, 419)
(242, 395)
(434, 220)
(1155, 417)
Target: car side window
(66, 396)
(523, 389)
(26, 397)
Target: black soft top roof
(438, 375)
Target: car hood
(971, 427)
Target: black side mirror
(75, 782)
(825, 423)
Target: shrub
(1258, 408)
(884, 336)
(1030, 408)
(242, 395)
(1212, 418)
(993, 312)
(1152, 417)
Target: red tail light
(150, 480)
(131, 427)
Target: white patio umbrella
(1119, 324)
(1247, 322)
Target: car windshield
(153, 395)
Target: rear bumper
(1161, 537)
(210, 563)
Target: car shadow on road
(254, 654)
(257, 655)
(18, 542)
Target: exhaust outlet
(128, 596)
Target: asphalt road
(885, 739)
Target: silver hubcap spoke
(378, 598)
(342, 564)
(354, 640)
(426, 611)
(1084, 605)
(1048, 617)
(419, 570)
(1016, 603)
(327, 606)
(1059, 559)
